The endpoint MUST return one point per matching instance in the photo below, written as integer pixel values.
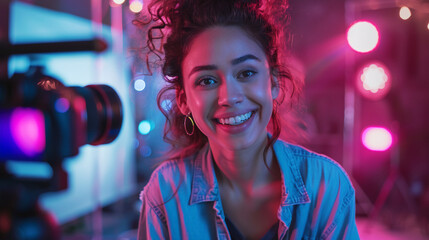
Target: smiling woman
(229, 176)
(226, 78)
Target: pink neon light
(28, 130)
(362, 36)
(374, 80)
(377, 138)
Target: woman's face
(228, 88)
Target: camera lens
(103, 113)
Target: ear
(275, 88)
(182, 102)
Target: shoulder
(330, 205)
(166, 180)
(314, 167)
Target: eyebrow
(244, 58)
(202, 68)
(233, 62)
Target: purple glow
(377, 138)
(62, 105)
(28, 130)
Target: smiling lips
(237, 120)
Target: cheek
(199, 104)
(262, 89)
(200, 108)
(196, 102)
(262, 95)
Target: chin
(240, 143)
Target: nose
(230, 93)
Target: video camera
(41, 120)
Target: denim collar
(205, 186)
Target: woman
(229, 177)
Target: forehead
(219, 45)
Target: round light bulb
(136, 6)
(119, 2)
(404, 13)
(362, 36)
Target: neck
(243, 169)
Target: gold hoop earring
(192, 123)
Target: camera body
(43, 120)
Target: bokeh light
(404, 13)
(139, 85)
(144, 127)
(377, 138)
(119, 2)
(373, 78)
(362, 36)
(136, 6)
(62, 105)
(145, 151)
(373, 81)
(166, 105)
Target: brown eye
(246, 74)
(206, 82)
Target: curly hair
(173, 24)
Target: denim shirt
(182, 200)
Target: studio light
(362, 36)
(377, 138)
(404, 13)
(136, 6)
(373, 81)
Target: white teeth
(232, 121)
(238, 119)
(235, 120)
